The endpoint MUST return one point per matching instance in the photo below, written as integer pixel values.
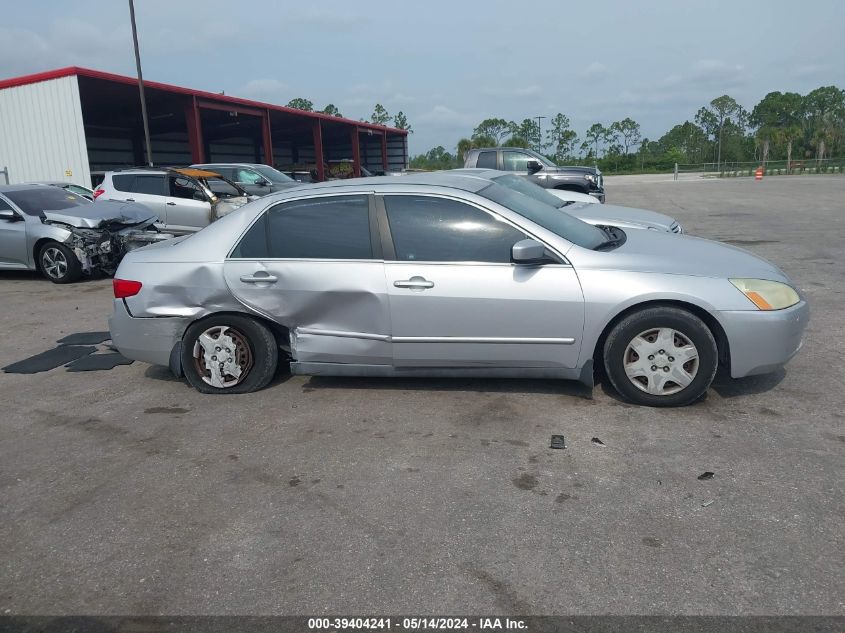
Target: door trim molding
(496, 340)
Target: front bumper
(763, 341)
(598, 194)
(149, 339)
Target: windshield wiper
(615, 237)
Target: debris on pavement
(85, 338)
(99, 362)
(708, 503)
(705, 475)
(45, 361)
(558, 441)
(598, 442)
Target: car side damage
(100, 235)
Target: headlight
(767, 295)
(590, 177)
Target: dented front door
(312, 266)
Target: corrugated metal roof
(210, 96)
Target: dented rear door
(315, 266)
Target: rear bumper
(762, 342)
(150, 339)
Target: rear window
(149, 184)
(486, 160)
(38, 199)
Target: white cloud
(271, 90)
(444, 115)
(594, 70)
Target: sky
(449, 65)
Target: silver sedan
(448, 275)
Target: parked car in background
(538, 169)
(448, 275)
(79, 190)
(254, 178)
(568, 196)
(589, 212)
(185, 199)
(65, 236)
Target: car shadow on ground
(162, 373)
(491, 385)
(33, 275)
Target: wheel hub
(222, 356)
(54, 262)
(661, 361)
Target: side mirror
(534, 166)
(9, 215)
(263, 183)
(528, 252)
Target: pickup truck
(538, 169)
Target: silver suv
(185, 199)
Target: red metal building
(68, 123)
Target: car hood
(659, 252)
(624, 217)
(103, 212)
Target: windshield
(522, 185)
(562, 224)
(38, 199)
(273, 175)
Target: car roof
(439, 179)
(231, 165)
(21, 187)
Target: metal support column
(267, 138)
(194, 124)
(356, 152)
(317, 130)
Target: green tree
(526, 134)
(722, 108)
(332, 110)
(628, 131)
(594, 136)
(825, 108)
(496, 129)
(301, 104)
(562, 138)
(379, 115)
(400, 121)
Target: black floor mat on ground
(96, 362)
(45, 361)
(85, 338)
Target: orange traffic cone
(758, 175)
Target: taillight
(125, 288)
(98, 192)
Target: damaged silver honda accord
(447, 275)
(65, 236)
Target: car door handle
(171, 204)
(259, 279)
(414, 283)
(130, 200)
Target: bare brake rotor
(222, 356)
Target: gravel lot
(126, 492)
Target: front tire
(661, 357)
(58, 263)
(229, 354)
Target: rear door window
(333, 227)
(149, 184)
(123, 182)
(486, 160)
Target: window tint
(486, 160)
(254, 245)
(516, 161)
(335, 227)
(5, 206)
(122, 182)
(431, 229)
(181, 187)
(151, 185)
